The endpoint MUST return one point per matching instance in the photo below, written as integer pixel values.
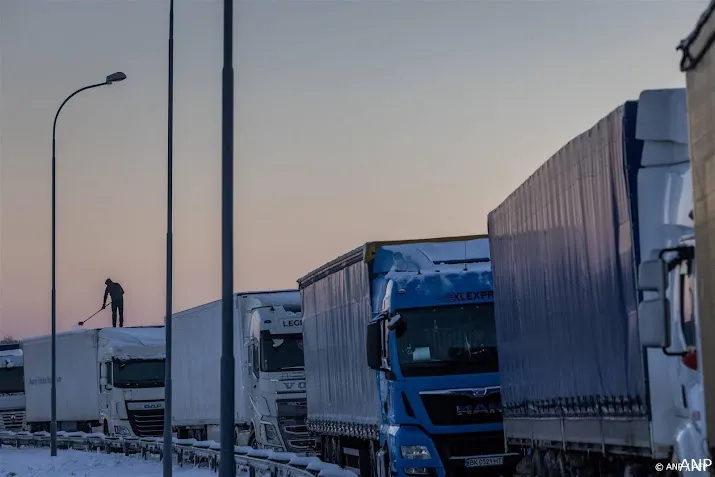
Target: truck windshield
(281, 352)
(11, 380)
(139, 373)
(448, 340)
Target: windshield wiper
(288, 368)
(437, 362)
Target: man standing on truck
(115, 291)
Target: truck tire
(105, 428)
(252, 442)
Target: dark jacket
(114, 290)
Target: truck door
(105, 386)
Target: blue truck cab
(432, 342)
(402, 375)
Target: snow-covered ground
(30, 462)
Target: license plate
(484, 461)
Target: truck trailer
(270, 381)
(589, 381)
(402, 374)
(109, 380)
(12, 388)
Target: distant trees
(8, 340)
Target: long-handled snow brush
(81, 323)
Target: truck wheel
(252, 442)
(105, 428)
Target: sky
(355, 121)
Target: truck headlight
(415, 452)
(122, 430)
(271, 434)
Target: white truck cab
(276, 380)
(669, 319)
(12, 388)
(132, 378)
(109, 380)
(270, 399)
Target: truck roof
(145, 342)
(132, 343)
(265, 297)
(14, 357)
(127, 329)
(430, 254)
(10, 352)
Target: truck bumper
(492, 465)
(486, 465)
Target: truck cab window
(11, 380)
(255, 360)
(385, 345)
(448, 340)
(108, 370)
(281, 352)
(138, 373)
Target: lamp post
(113, 78)
(168, 406)
(227, 466)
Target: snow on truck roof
(136, 342)
(132, 343)
(432, 256)
(288, 299)
(11, 358)
(10, 352)
(444, 267)
(437, 255)
(277, 312)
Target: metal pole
(168, 452)
(53, 388)
(227, 466)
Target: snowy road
(70, 463)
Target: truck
(402, 375)
(582, 253)
(270, 406)
(12, 388)
(109, 380)
(680, 324)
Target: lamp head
(116, 77)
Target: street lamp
(227, 466)
(113, 78)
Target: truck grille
(463, 445)
(12, 420)
(462, 407)
(295, 434)
(147, 422)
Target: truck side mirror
(653, 276)
(374, 345)
(654, 313)
(103, 374)
(653, 320)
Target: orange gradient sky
(355, 121)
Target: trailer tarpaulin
(564, 250)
